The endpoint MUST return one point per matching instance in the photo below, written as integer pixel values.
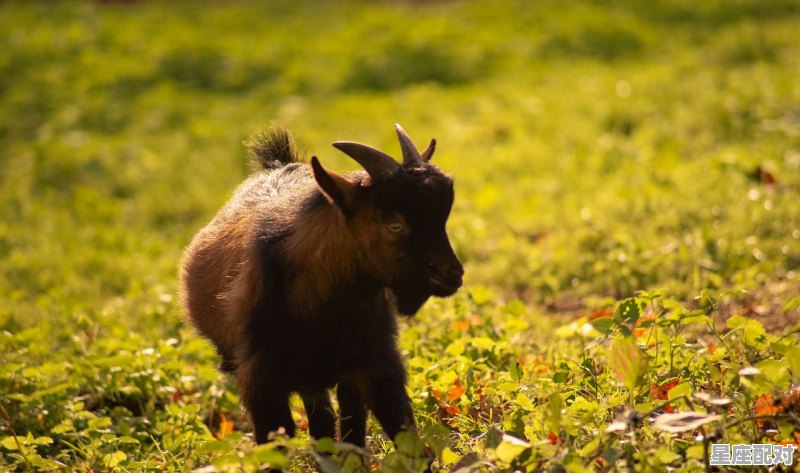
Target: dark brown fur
(298, 279)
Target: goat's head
(397, 214)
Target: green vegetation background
(598, 148)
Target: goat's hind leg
(266, 400)
(352, 413)
(227, 362)
(321, 419)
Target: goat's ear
(336, 188)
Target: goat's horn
(411, 156)
(378, 164)
(428, 153)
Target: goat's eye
(395, 227)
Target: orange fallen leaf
(766, 405)
(177, 395)
(225, 427)
(451, 410)
(456, 390)
(540, 366)
(639, 330)
(600, 313)
(462, 325)
(660, 392)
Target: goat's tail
(272, 147)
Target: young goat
(298, 279)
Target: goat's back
(221, 278)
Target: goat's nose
(455, 271)
(446, 276)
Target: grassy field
(627, 209)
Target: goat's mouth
(445, 286)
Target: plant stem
(14, 434)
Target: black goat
(298, 279)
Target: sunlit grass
(598, 149)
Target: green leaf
(628, 312)
(792, 357)
(682, 389)
(480, 295)
(786, 429)
(508, 387)
(603, 324)
(409, 443)
(214, 446)
(227, 461)
(100, 423)
(792, 304)
(449, 457)
(696, 317)
(753, 332)
(736, 321)
(510, 448)
(9, 443)
(455, 348)
(114, 459)
(515, 370)
(353, 462)
(484, 343)
(524, 402)
(267, 454)
(43, 441)
(590, 447)
(64, 427)
(19, 397)
(514, 308)
(775, 372)
(325, 464)
(666, 456)
(493, 437)
(325, 445)
(43, 464)
(650, 295)
(553, 412)
(628, 363)
(696, 452)
(560, 376)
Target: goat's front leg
(391, 405)
(387, 398)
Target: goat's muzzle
(446, 279)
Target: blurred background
(598, 147)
